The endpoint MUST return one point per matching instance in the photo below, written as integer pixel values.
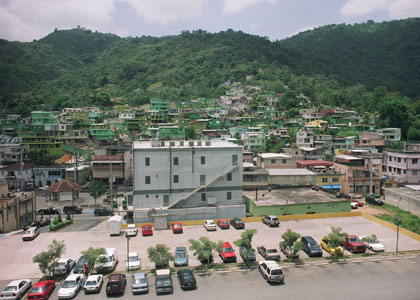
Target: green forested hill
(371, 53)
(81, 67)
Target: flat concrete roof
(291, 196)
(213, 144)
(290, 172)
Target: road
(385, 280)
(83, 222)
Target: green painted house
(171, 132)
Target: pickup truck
(268, 254)
(354, 244)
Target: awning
(331, 186)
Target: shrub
(59, 219)
(68, 217)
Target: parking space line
(392, 258)
(226, 271)
(375, 259)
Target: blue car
(139, 283)
(181, 257)
(247, 256)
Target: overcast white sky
(26, 20)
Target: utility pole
(110, 187)
(371, 175)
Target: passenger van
(271, 271)
(31, 233)
(107, 262)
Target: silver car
(63, 266)
(139, 283)
(16, 289)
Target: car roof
(63, 260)
(180, 248)
(73, 276)
(147, 225)
(43, 283)
(132, 226)
(133, 254)
(271, 264)
(226, 244)
(114, 277)
(163, 272)
(16, 282)
(94, 277)
(139, 275)
(185, 271)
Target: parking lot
(17, 259)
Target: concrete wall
(404, 202)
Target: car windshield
(38, 289)
(352, 240)
(180, 254)
(139, 281)
(69, 284)
(275, 219)
(210, 222)
(91, 282)
(276, 272)
(239, 221)
(146, 227)
(177, 225)
(223, 222)
(163, 281)
(271, 250)
(131, 227)
(313, 244)
(133, 258)
(10, 289)
(108, 259)
(113, 283)
(374, 242)
(60, 265)
(228, 249)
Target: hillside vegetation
(346, 65)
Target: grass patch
(409, 221)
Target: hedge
(61, 224)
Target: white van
(107, 262)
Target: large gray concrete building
(186, 180)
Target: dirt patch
(375, 210)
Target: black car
(374, 201)
(48, 211)
(247, 255)
(237, 223)
(31, 224)
(310, 246)
(72, 209)
(163, 282)
(186, 279)
(78, 268)
(102, 211)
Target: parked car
(133, 262)
(227, 254)
(78, 268)
(210, 225)
(223, 224)
(102, 211)
(72, 209)
(247, 254)
(374, 245)
(271, 271)
(373, 199)
(42, 290)
(358, 201)
(63, 266)
(48, 211)
(30, 234)
(354, 205)
(31, 224)
(338, 250)
(288, 251)
(310, 246)
(93, 283)
(131, 230)
(268, 253)
(108, 262)
(16, 289)
(147, 230)
(116, 284)
(186, 279)
(176, 227)
(163, 282)
(237, 223)
(71, 286)
(271, 220)
(353, 244)
(43, 221)
(139, 283)
(180, 257)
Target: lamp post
(398, 219)
(128, 251)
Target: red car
(227, 254)
(176, 227)
(223, 224)
(116, 284)
(147, 230)
(358, 201)
(42, 290)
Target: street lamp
(398, 219)
(128, 251)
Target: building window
(147, 161)
(324, 180)
(176, 178)
(234, 159)
(273, 161)
(390, 158)
(229, 196)
(414, 172)
(175, 161)
(202, 179)
(284, 161)
(229, 176)
(335, 179)
(399, 159)
(415, 161)
(165, 200)
(203, 196)
(147, 179)
(203, 160)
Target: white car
(16, 289)
(93, 283)
(210, 225)
(131, 230)
(354, 205)
(133, 262)
(60, 267)
(71, 286)
(375, 245)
